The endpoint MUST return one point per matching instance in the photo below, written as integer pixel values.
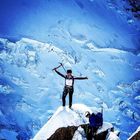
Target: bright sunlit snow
(79, 134)
(112, 136)
(64, 117)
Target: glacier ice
(99, 39)
(28, 95)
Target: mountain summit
(65, 117)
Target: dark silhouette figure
(95, 121)
(69, 85)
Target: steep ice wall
(65, 23)
(31, 91)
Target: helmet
(87, 113)
(69, 71)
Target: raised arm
(62, 75)
(80, 78)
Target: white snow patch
(112, 136)
(79, 134)
(96, 49)
(64, 117)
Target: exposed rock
(99, 136)
(67, 133)
(64, 133)
(135, 7)
(136, 135)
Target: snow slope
(64, 117)
(31, 91)
(105, 22)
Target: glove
(54, 69)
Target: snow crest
(64, 117)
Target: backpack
(99, 119)
(96, 120)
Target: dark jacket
(96, 120)
(68, 79)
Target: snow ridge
(64, 117)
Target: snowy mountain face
(97, 39)
(64, 117)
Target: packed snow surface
(64, 117)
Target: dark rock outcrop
(136, 136)
(67, 133)
(134, 8)
(64, 133)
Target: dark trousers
(91, 132)
(65, 92)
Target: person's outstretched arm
(80, 78)
(62, 75)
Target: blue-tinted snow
(62, 22)
(95, 38)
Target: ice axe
(63, 67)
(58, 66)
